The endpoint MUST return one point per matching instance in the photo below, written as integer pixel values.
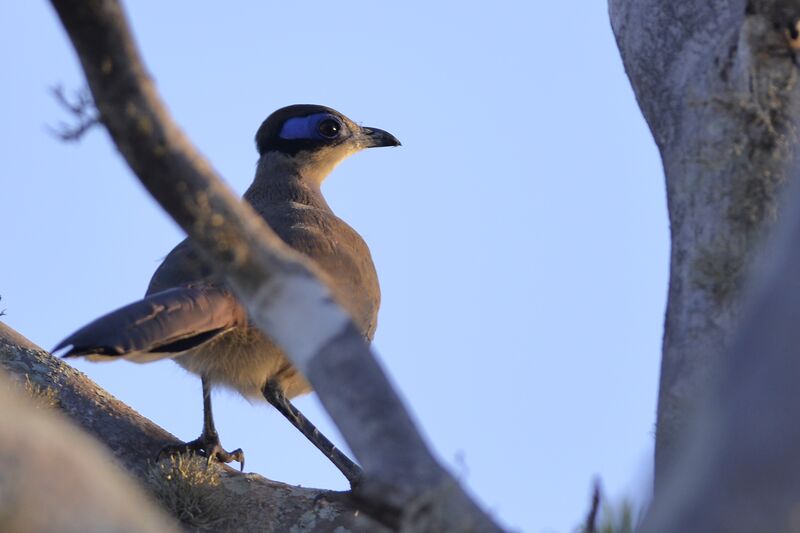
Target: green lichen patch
(718, 271)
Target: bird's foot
(207, 446)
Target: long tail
(162, 325)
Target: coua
(191, 316)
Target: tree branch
(278, 285)
(200, 494)
(82, 110)
(54, 476)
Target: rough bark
(213, 497)
(716, 82)
(741, 469)
(54, 478)
(279, 287)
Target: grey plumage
(190, 315)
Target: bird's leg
(207, 444)
(275, 396)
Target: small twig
(83, 110)
(591, 518)
(3, 312)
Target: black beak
(373, 138)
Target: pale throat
(309, 167)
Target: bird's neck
(280, 179)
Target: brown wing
(164, 324)
(182, 266)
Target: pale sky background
(520, 233)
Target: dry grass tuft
(187, 487)
(43, 397)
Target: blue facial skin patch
(304, 127)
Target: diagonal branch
(279, 287)
(213, 493)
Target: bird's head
(314, 139)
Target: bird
(191, 315)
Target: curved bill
(374, 138)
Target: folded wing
(162, 325)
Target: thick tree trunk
(207, 497)
(716, 82)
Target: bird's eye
(329, 128)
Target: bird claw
(221, 455)
(205, 446)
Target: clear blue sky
(520, 233)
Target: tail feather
(162, 325)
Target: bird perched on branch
(190, 314)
